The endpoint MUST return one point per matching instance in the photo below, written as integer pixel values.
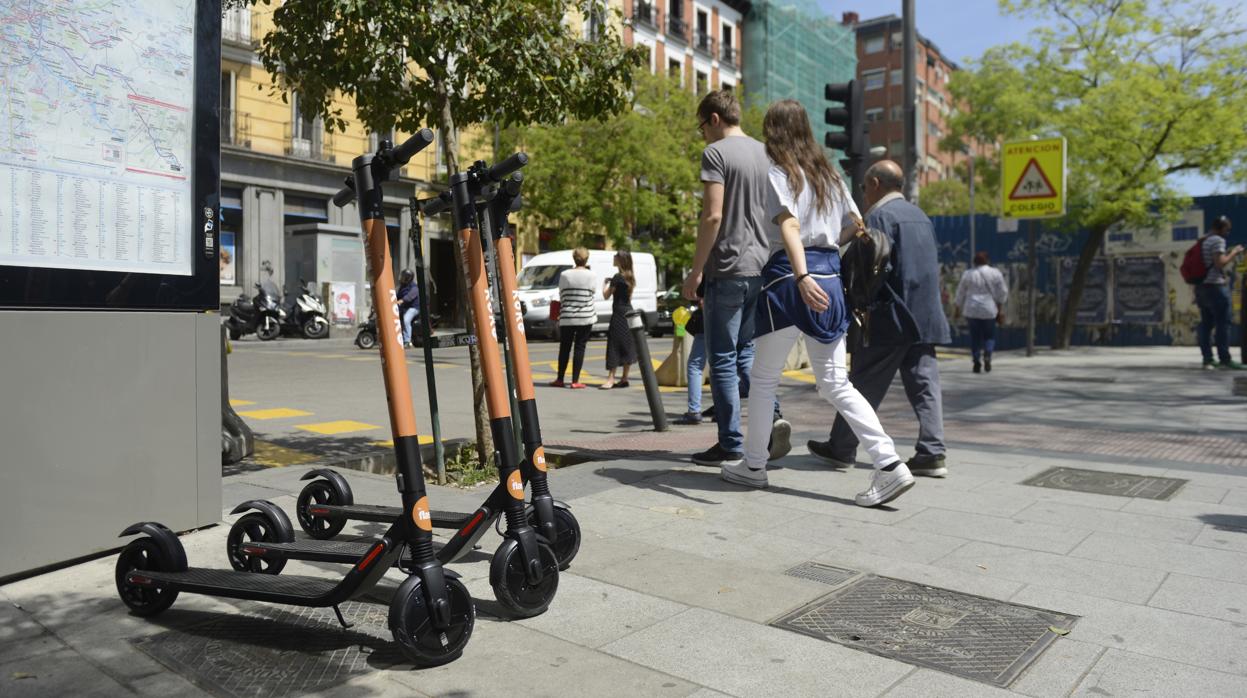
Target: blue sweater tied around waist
(781, 306)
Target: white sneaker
(781, 439)
(741, 474)
(886, 486)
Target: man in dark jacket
(408, 302)
(904, 328)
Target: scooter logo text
(517, 307)
(515, 484)
(398, 320)
(420, 514)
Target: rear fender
(336, 481)
(278, 518)
(164, 538)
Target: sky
(973, 26)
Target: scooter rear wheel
(567, 535)
(316, 328)
(365, 340)
(510, 581)
(412, 624)
(319, 527)
(143, 554)
(252, 527)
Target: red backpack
(1193, 268)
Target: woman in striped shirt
(577, 313)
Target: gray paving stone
(1192, 492)
(592, 613)
(1058, 670)
(1222, 538)
(1236, 498)
(1005, 489)
(1122, 523)
(841, 504)
(1194, 511)
(1158, 555)
(934, 493)
(1203, 597)
(167, 684)
(967, 582)
(746, 659)
(1114, 581)
(1123, 673)
(925, 682)
(610, 519)
(63, 673)
(509, 659)
(720, 542)
(1154, 632)
(29, 646)
(993, 529)
(823, 532)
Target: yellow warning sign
(1033, 175)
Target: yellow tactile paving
(241, 403)
(273, 413)
(422, 439)
(802, 375)
(274, 456)
(342, 426)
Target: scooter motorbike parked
(305, 314)
(261, 315)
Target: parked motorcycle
(261, 315)
(366, 337)
(305, 314)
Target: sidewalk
(680, 576)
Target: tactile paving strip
(278, 650)
(817, 572)
(1116, 484)
(978, 638)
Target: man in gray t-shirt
(732, 247)
(1213, 295)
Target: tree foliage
(1140, 89)
(951, 196)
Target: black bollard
(646, 367)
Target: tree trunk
(1065, 329)
(484, 438)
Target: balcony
(729, 54)
(702, 42)
(236, 27)
(309, 142)
(235, 128)
(644, 15)
(677, 27)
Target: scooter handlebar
(436, 205)
(404, 151)
(499, 172)
(346, 194)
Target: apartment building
(698, 41)
(880, 65)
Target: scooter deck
(316, 550)
(384, 514)
(292, 589)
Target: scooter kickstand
(342, 620)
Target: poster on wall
(228, 259)
(343, 302)
(1139, 291)
(1093, 310)
(95, 164)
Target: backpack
(1193, 269)
(864, 269)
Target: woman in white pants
(802, 294)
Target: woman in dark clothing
(620, 347)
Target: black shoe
(927, 465)
(689, 418)
(824, 450)
(717, 457)
(978, 367)
(708, 413)
(987, 363)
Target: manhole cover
(278, 651)
(821, 573)
(1098, 482)
(970, 636)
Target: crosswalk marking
(241, 403)
(342, 426)
(273, 413)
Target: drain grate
(974, 637)
(833, 576)
(278, 651)
(1116, 484)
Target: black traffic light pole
(853, 141)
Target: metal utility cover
(978, 638)
(1099, 482)
(278, 651)
(817, 572)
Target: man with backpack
(902, 326)
(1207, 265)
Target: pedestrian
(731, 249)
(1212, 296)
(905, 325)
(981, 296)
(408, 302)
(814, 214)
(620, 346)
(696, 328)
(577, 313)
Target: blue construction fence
(1134, 296)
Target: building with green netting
(792, 49)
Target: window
(675, 69)
(896, 148)
(933, 130)
(304, 123)
(375, 138)
(874, 79)
(898, 77)
(725, 85)
(703, 82)
(648, 52)
(897, 114)
(873, 115)
(228, 117)
(595, 22)
(898, 40)
(874, 44)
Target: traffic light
(854, 140)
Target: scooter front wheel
(365, 340)
(510, 580)
(316, 328)
(319, 492)
(567, 534)
(412, 623)
(269, 329)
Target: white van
(539, 284)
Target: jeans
(696, 362)
(832, 377)
(569, 335)
(409, 315)
(982, 337)
(1214, 316)
(730, 306)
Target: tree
(1140, 89)
(951, 196)
(416, 63)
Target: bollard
(646, 366)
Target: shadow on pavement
(1226, 522)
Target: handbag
(555, 306)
